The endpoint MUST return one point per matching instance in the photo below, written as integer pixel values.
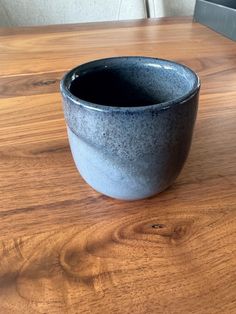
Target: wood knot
(158, 226)
(179, 231)
(175, 232)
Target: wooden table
(67, 249)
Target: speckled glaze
(130, 122)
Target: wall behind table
(43, 12)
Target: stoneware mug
(130, 122)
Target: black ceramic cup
(130, 122)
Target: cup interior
(131, 81)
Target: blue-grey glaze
(123, 147)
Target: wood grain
(65, 248)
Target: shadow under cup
(130, 122)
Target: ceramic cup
(130, 122)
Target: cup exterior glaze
(130, 153)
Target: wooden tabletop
(67, 249)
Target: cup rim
(70, 76)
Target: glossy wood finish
(66, 249)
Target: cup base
(108, 178)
